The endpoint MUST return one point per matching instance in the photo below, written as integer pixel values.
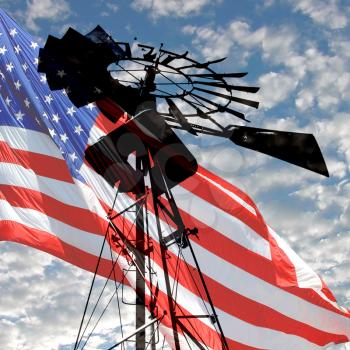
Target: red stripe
(44, 241)
(42, 165)
(104, 124)
(82, 219)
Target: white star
(48, 98)
(33, 45)
(61, 73)
(37, 121)
(27, 102)
(17, 49)
(64, 137)
(18, 85)
(52, 132)
(71, 111)
(24, 66)
(78, 129)
(13, 32)
(73, 156)
(43, 78)
(56, 118)
(8, 101)
(2, 75)
(3, 50)
(19, 115)
(91, 106)
(36, 61)
(9, 67)
(45, 115)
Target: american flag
(265, 296)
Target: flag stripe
(45, 241)
(68, 214)
(29, 140)
(222, 221)
(67, 193)
(85, 240)
(229, 203)
(42, 165)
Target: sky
(298, 52)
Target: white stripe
(94, 135)
(228, 225)
(29, 140)
(83, 240)
(67, 193)
(262, 338)
(229, 193)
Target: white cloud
(42, 301)
(240, 40)
(335, 135)
(111, 9)
(175, 8)
(275, 88)
(329, 13)
(305, 100)
(54, 10)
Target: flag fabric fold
(265, 296)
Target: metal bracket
(138, 330)
(180, 237)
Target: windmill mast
(140, 261)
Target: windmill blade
(296, 148)
(220, 75)
(203, 65)
(177, 114)
(251, 89)
(243, 101)
(220, 107)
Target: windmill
(145, 159)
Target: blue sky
(298, 52)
